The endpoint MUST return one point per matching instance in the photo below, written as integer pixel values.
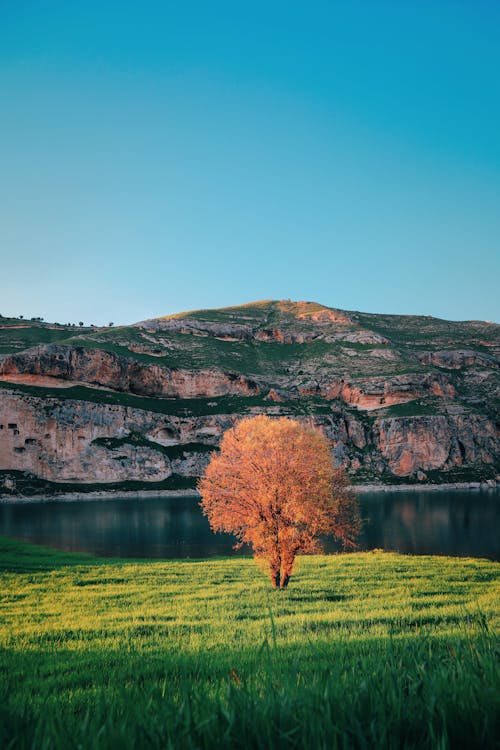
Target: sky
(165, 156)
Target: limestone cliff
(400, 398)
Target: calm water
(444, 523)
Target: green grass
(15, 339)
(418, 407)
(201, 352)
(27, 484)
(253, 311)
(248, 357)
(172, 451)
(172, 406)
(428, 332)
(467, 473)
(363, 650)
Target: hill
(402, 398)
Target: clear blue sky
(163, 156)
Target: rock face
(83, 442)
(398, 397)
(409, 444)
(106, 369)
(372, 393)
(67, 441)
(454, 359)
(231, 332)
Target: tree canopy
(273, 485)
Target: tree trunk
(287, 567)
(284, 581)
(275, 569)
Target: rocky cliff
(401, 398)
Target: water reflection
(444, 522)
(439, 522)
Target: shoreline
(488, 485)
(179, 494)
(98, 495)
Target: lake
(445, 522)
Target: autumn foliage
(273, 486)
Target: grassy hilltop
(366, 650)
(166, 341)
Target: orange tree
(273, 485)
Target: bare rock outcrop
(373, 393)
(357, 337)
(286, 336)
(106, 369)
(83, 442)
(316, 313)
(454, 359)
(408, 444)
(230, 331)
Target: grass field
(366, 650)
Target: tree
(273, 485)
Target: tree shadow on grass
(318, 596)
(18, 556)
